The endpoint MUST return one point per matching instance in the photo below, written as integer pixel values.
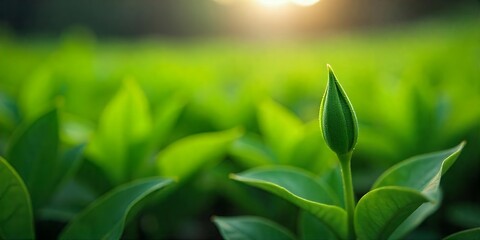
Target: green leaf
(337, 117)
(312, 228)
(33, 152)
(69, 163)
(382, 210)
(422, 173)
(125, 125)
(251, 228)
(469, 234)
(105, 217)
(16, 217)
(300, 188)
(281, 129)
(417, 217)
(185, 156)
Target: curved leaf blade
(417, 217)
(251, 228)
(185, 156)
(33, 152)
(301, 189)
(105, 217)
(16, 217)
(382, 210)
(469, 234)
(422, 173)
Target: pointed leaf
(301, 189)
(105, 217)
(187, 155)
(251, 228)
(382, 210)
(16, 217)
(124, 126)
(422, 173)
(33, 152)
(469, 234)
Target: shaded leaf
(105, 217)
(33, 152)
(470, 234)
(382, 210)
(187, 155)
(311, 228)
(300, 188)
(16, 217)
(251, 228)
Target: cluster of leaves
(39, 172)
(398, 202)
(179, 119)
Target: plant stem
(345, 160)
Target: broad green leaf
(251, 152)
(469, 234)
(125, 124)
(300, 188)
(422, 173)
(33, 152)
(185, 156)
(382, 210)
(281, 128)
(16, 217)
(105, 217)
(251, 228)
(312, 228)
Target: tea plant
(36, 169)
(400, 199)
(42, 180)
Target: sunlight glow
(305, 3)
(273, 3)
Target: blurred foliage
(415, 89)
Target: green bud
(337, 118)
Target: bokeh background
(410, 68)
